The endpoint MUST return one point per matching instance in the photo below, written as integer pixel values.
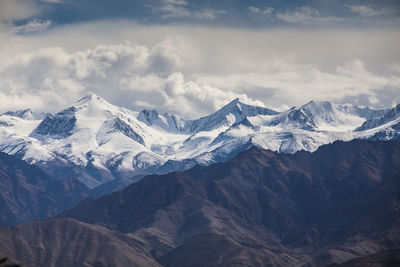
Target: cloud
(184, 97)
(116, 72)
(17, 9)
(367, 11)
(172, 9)
(307, 15)
(53, 1)
(295, 84)
(192, 71)
(31, 26)
(255, 11)
(304, 15)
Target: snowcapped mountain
(100, 143)
(388, 124)
(234, 112)
(26, 114)
(383, 118)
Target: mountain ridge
(260, 208)
(99, 142)
(312, 208)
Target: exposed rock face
(57, 126)
(124, 128)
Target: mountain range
(333, 206)
(107, 147)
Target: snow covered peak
(96, 109)
(235, 106)
(381, 118)
(95, 106)
(321, 116)
(89, 98)
(319, 113)
(57, 126)
(22, 113)
(233, 103)
(88, 115)
(318, 106)
(233, 112)
(26, 114)
(110, 141)
(148, 116)
(166, 121)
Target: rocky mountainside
(386, 258)
(263, 207)
(376, 121)
(28, 194)
(107, 147)
(67, 242)
(26, 114)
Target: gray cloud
(32, 26)
(53, 78)
(193, 71)
(172, 9)
(304, 15)
(296, 84)
(258, 12)
(367, 11)
(53, 1)
(17, 9)
(312, 16)
(307, 15)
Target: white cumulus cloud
(54, 78)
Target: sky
(192, 57)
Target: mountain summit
(90, 97)
(234, 112)
(105, 145)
